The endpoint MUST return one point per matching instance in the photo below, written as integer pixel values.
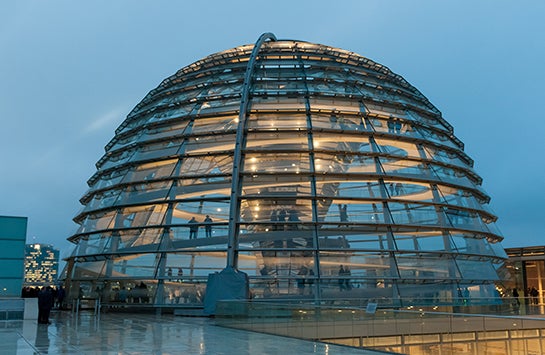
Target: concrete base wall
(12, 308)
(31, 308)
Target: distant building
(12, 254)
(41, 264)
(12, 246)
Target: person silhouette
(347, 283)
(180, 274)
(343, 214)
(341, 278)
(45, 303)
(282, 215)
(274, 220)
(293, 217)
(193, 228)
(303, 271)
(208, 226)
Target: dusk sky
(70, 71)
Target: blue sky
(70, 71)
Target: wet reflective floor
(121, 333)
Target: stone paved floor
(120, 333)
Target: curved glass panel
(339, 181)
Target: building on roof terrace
(315, 171)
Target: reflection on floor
(122, 333)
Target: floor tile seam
(21, 335)
(274, 337)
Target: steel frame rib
(234, 203)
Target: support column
(240, 143)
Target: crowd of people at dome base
(48, 298)
(57, 292)
(531, 294)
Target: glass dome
(316, 171)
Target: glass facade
(527, 267)
(316, 171)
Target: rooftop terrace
(123, 333)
